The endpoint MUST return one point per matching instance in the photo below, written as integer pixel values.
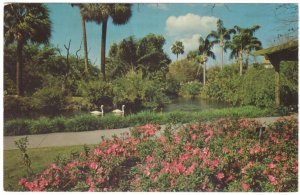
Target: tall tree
(244, 41)
(25, 22)
(85, 14)
(177, 48)
(221, 35)
(145, 54)
(205, 51)
(100, 13)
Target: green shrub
(43, 125)
(49, 100)
(190, 89)
(16, 127)
(17, 106)
(98, 93)
(82, 123)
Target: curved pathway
(80, 138)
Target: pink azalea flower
(46, 171)
(196, 151)
(272, 179)
(245, 186)
(220, 176)
(272, 166)
(149, 158)
(194, 137)
(214, 163)
(93, 165)
(241, 151)
(22, 181)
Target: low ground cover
(86, 122)
(224, 155)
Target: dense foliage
(87, 122)
(225, 155)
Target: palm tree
(23, 23)
(85, 13)
(221, 35)
(205, 51)
(177, 48)
(236, 52)
(100, 13)
(249, 41)
(244, 41)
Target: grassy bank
(14, 168)
(87, 122)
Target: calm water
(194, 105)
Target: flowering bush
(224, 155)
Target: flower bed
(224, 155)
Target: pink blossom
(191, 169)
(100, 170)
(196, 151)
(162, 139)
(241, 151)
(277, 158)
(46, 171)
(187, 146)
(149, 158)
(98, 152)
(214, 163)
(100, 179)
(22, 181)
(220, 176)
(272, 166)
(272, 179)
(205, 150)
(184, 157)
(93, 165)
(147, 171)
(194, 137)
(92, 188)
(245, 186)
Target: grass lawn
(40, 158)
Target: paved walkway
(79, 138)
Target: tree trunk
(221, 52)
(19, 69)
(177, 57)
(204, 70)
(241, 62)
(103, 45)
(86, 59)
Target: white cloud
(160, 6)
(190, 24)
(190, 43)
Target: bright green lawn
(40, 158)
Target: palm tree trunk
(19, 69)
(241, 62)
(221, 52)
(103, 45)
(86, 61)
(204, 71)
(177, 57)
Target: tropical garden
(47, 90)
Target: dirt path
(80, 138)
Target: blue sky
(184, 22)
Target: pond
(194, 105)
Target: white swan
(119, 112)
(98, 113)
